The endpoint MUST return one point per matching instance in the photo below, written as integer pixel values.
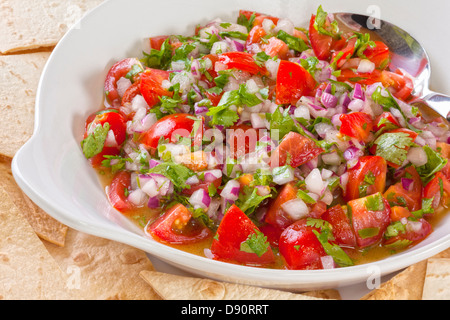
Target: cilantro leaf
(281, 121)
(293, 43)
(434, 164)
(94, 142)
(375, 202)
(223, 115)
(256, 243)
(159, 59)
(393, 146)
(320, 24)
(246, 22)
(116, 163)
(177, 173)
(325, 236)
(249, 200)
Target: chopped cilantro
(246, 22)
(320, 24)
(94, 142)
(159, 58)
(249, 200)
(375, 202)
(256, 243)
(177, 173)
(393, 146)
(368, 232)
(434, 164)
(293, 43)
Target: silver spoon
(407, 54)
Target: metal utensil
(407, 54)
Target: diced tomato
(320, 43)
(276, 47)
(117, 124)
(385, 121)
(411, 198)
(398, 213)
(117, 191)
(300, 247)
(415, 231)
(432, 190)
(296, 148)
(370, 218)
(413, 135)
(352, 76)
(156, 42)
(131, 92)
(275, 215)
(367, 177)
(242, 61)
(151, 86)
(177, 226)
(242, 139)
(171, 127)
(255, 35)
(214, 97)
(259, 17)
(445, 152)
(378, 54)
(211, 70)
(234, 230)
(356, 125)
(272, 233)
(341, 56)
(117, 71)
(293, 82)
(317, 210)
(342, 230)
(399, 84)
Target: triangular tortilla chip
(45, 226)
(437, 280)
(103, 269)
(27, 271)
(29, 24)
(19, 78)
(175, 287)
(406, 285)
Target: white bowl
(53, 172)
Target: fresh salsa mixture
(261, 143)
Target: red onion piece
(231, 190)
(328, 100)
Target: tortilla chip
(45, 226)
(437, 280)
(105, 269)
(328, 294)
(406, 285)
(175, 287)
(29, 24)
(19, 78)
(27, 271)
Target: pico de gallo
(261, 143)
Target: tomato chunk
(275, 215)
(300, 247)
(177, 226)
(170, 127)
(342, 230)
(232, 240)
(432, 190)
(117, 191)
(370, 219)
(356, 125)
(242, 61)
(320, 43)
(295, 147)
(293, 82)
(367, 177)
(151, 86)
(117, 71)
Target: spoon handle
(440, 103)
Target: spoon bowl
(406, 54)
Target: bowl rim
(193, 262)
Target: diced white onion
(122, 85)
(283, 175)
(417, 156)
(295, 208)
(366, 66)
(314, 182)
